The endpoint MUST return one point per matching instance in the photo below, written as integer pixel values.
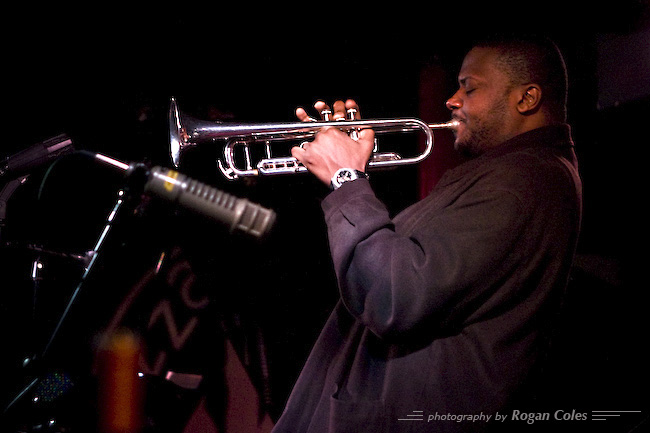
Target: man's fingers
(298, 153)
(302, 115)
(367, 140)
(323, 109)
(339, 111)
(367, 134)
(351, 104)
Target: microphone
(34, 156)
(238, 214)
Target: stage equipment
(35, 156)
(238, 214)
(186, 132)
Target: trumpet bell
(175, 141)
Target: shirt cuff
(346, 193)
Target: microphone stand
(37, 364)
(5, 194)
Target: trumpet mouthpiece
(452, 124)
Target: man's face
(483, 103)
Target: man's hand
(333, 149)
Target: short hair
(533, 59)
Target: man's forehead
(479, 64)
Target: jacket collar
(552, 136)
(558, 135)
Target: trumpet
(186, 132)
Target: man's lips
(458, 118)
(459, 123)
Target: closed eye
(469, 84)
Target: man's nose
(454, 102)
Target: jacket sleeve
(434, 276)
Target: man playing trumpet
(448, 307)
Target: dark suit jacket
(445, 309)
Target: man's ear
(530, 99)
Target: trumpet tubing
(186, 132)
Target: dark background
(105, 76)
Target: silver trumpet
(186, 132)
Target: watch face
(344, 175)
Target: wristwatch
(343, 175)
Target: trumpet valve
(354, 133)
